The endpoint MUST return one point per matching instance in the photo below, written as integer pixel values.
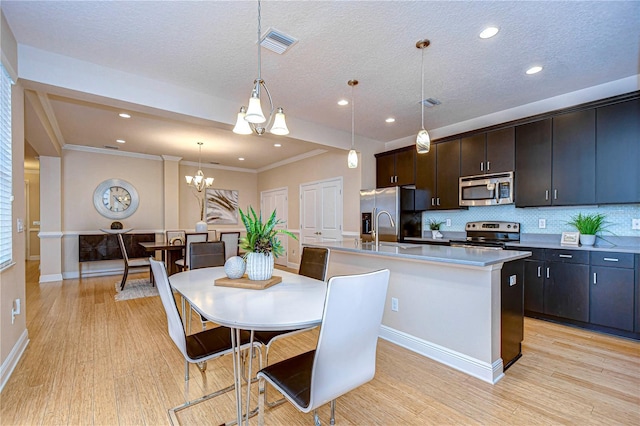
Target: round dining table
(295, 303)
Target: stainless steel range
(489, 234)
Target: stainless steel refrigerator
(403, 204)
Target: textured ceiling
(210, 47)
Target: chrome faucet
(375, 225)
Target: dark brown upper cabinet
(396, 168)
(438, 173)
(490, 152)
(618, 153)
(533, 164)
(573, 176)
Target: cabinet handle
(546, 195)
(391, 179)
(595, 278)
(610, 259)
(555, 194)
(567, 256)
(548, 272)
(539, 271)
(396, 181)
(488, 165)
(482, 166)
(438, 201)
(433, 201)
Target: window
(6, 218)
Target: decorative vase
(259, 266)
(234, 267)
(201, 226)
(436, 234)
(587, 240)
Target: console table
(97, 247)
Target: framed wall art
(221, 206)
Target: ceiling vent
(430, 102)
(277, 41)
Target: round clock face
(115, 199)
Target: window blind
(6, 216)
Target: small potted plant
(435, 225)
(589, 225)
(261, 243)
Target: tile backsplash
(556, 218)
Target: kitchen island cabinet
(449, 299)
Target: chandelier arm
(270, 105)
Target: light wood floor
(94, 361)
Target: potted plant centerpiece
(589, 225)
(435, 225)
(261, 243)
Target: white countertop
(430, 253)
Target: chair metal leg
(333, 412)
(279, 401)
(316, 419)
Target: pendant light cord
(353, 126)
(259, 50)
(422, 92)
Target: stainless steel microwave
(486, 190)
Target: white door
(321, 211)
(276, 199)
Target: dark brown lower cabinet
(566, 291)
(591, 289)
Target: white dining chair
(197, 348)
(345, 355)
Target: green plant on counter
(262, 237)
(435, 225)
(589, 224)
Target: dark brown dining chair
(190, 237)
(207, 254)
(131, 263)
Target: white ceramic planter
(259, 266)
(587, 240)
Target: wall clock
(115, 199)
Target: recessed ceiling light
(489, 32)
(343, 102)
(124, 115)
(121, 141)
(241, 158)
(277, 145)
(534, 70)
(390, 120)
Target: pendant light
(423, 140)
(352, 158)
(199, 182)
(250, 120)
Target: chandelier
(352, 158)
(423, 140)
(250, 120)
(199, 182)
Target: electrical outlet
(512, 280)
(394, 304)
(635, 223)
(448, 222)
(542, 223)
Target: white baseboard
(10, 363)
(50, 278)
(490, 373)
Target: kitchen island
(442, 302)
